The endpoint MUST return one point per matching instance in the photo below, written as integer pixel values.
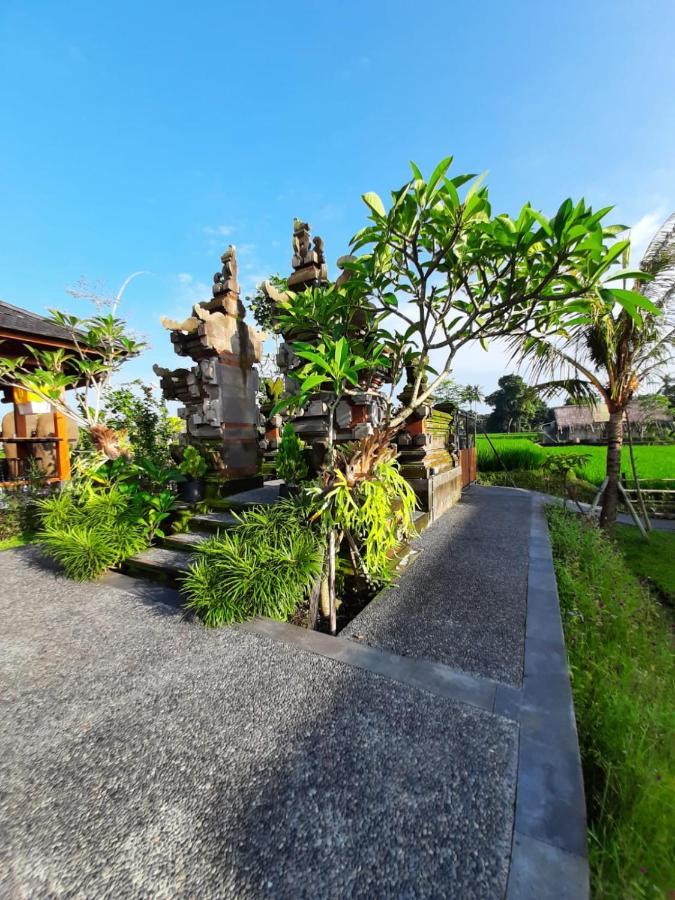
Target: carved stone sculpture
(308, 261)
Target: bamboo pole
(641, 499)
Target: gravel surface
(463, 601)
(142, 756)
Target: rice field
(654, 462)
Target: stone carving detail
(226, 279)
(309, 259)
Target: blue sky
(150, 135)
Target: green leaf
(561, 217)
(475, 187)
(451, 190)
(459, 180)
(632, 300)
(635, 274)
(314, 357)
(543, 221)
(372, 200)
(436, 176)
(614, 252)
(310, 383)
(416, 172)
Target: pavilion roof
(587, 416)
(24, 325)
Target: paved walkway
(429, 752)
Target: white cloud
(643, 231)
(218, 230)
(189, 292)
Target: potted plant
(193, 468)
(291, 465)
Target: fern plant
(264, 566)
(375, 514)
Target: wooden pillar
(62, 447)
(22, 450)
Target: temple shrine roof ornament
(309, 258)
(216, 326)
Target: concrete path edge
(549, 853)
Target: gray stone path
(464, 600)
(142, 755)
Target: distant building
(588, 424)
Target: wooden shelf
(31, 440)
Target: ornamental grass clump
(264, 566)
(91, 532)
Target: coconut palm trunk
(610, 499)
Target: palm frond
(659, 260)
(575, 387)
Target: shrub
(14, 515)
(540, 480)
(89, 533)
(85, 553)
(290, 461)
(149, 428)
(193, 464)
(265, 566)
(620, 658)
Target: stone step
(212, 521)
(420, 520)
(262, 496)
(160, 563)
(186, 540)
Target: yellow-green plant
(375, 514)
(290, 461)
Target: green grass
(620, 656)
(516, 452)
(537, 480)
(652, 561)
(654, 461)
(18, 540)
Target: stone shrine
(219, 392)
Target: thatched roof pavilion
(29, 430)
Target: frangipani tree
(440, 270)
(101, 344)
(614, 347)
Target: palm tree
(614, 350)
(472, 394)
